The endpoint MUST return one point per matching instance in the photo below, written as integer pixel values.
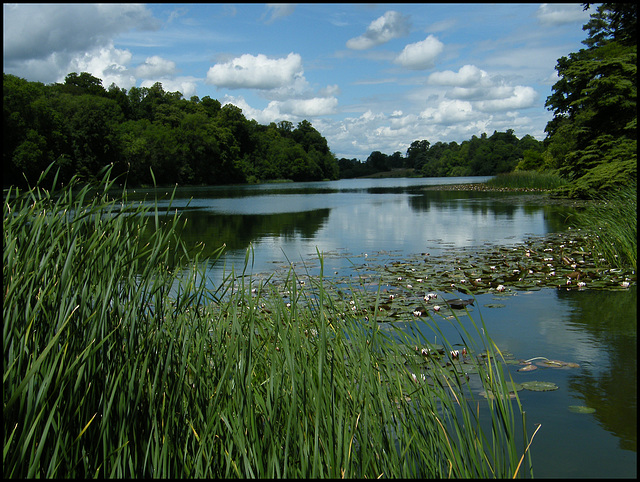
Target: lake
(358, 223)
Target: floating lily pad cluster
(394, 287)
(563, 261)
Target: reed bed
(120, 363)
(527, 180)
(614, 220)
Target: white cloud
(108, 64)
(185, 85)
(558, 14)
(309, 107)
(420, 55)
(467, 76)
(155, 66)
(265, 116)
(293, 110)
(391, 25)
(448, 112)
(256, 72)
(36, 31)
(45, 42)
(521, 97)
(488, 94)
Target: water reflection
(292, 221)
(237, 231)
(610, 386)
(595, 329)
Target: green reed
(614, 220)
(119, 363)
(527, 180)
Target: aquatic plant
(547, 181)
(120, 363)
(613, 220)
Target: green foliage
(83, 127)
(614, 220)
(592, 138)
(479, 156)
(118, 362)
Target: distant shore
(482, 187)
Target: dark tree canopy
(82, 127)
(592, 139)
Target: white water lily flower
(500, 288)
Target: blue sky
(367, 76)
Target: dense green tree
(378, 161)
(417, 154)
(84, 83)
(592, 138)
(82, 127)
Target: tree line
(82, 127)
(592, 139)
(480, 156)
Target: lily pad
(536, 386)
(512, 386)
(495, 305)
(556, 364)
(527, 368)
(581, 409)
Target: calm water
(355, 221)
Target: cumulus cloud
(36, 31)
(391, 25)
(45, 42)
(467, 75)
(558, 14)
(155, 66)
(448, 111)
(256, 72)
(489, 94)
(108, 64)
(291, 110)
(317, 106)
(521, 97)
(185, 85)
(420, 55)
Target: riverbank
(483, 187)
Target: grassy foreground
(117, 363)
